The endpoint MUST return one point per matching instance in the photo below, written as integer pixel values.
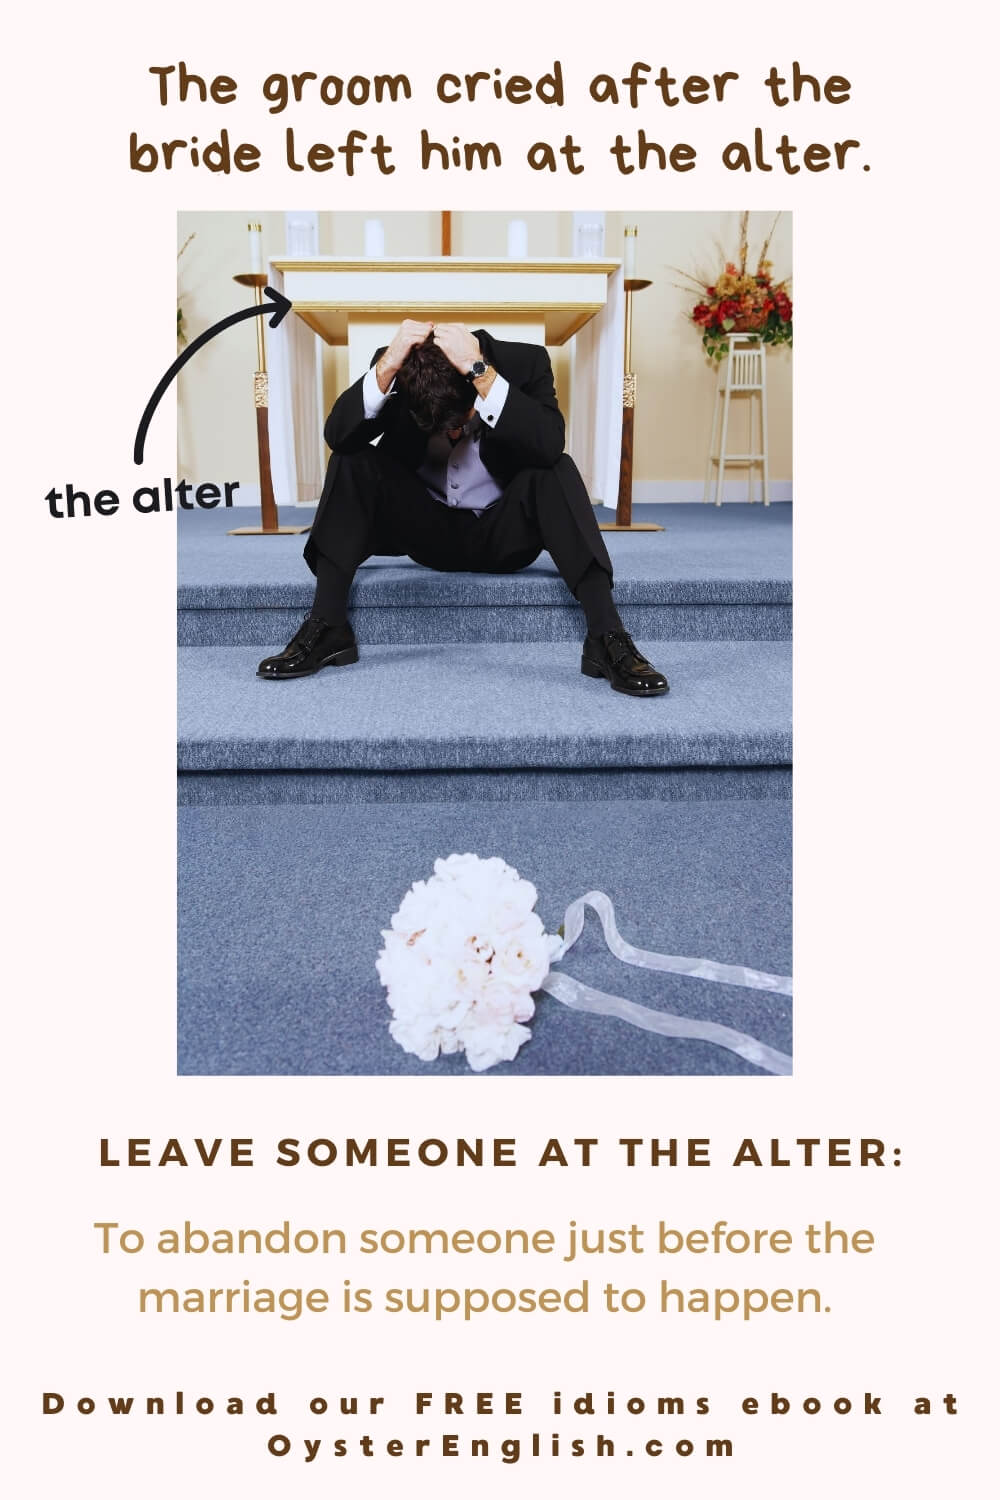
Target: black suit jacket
(528, 435)
(530, 432)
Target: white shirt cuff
(372, 395)
(489, 407)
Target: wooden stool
(742, 372)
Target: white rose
(487, 1045)
(523, 960)
(469, 869)
(495, 1007)
(415, 1034)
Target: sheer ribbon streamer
(581, 997)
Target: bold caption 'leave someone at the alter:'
(487, 1153)
(477, 95)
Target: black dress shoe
(616, 657)
(314, 645)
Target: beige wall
(216, 425)
(675, 382)
(216, 432)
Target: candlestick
(631, 233)
(256, 248)
(269, 522)
(623, 513)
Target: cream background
(676, 383)
(892, 946)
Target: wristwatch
(477, 369)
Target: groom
(469, 476)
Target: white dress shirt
(453, 473)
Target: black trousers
(374, 506)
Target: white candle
(374, 237)
(256, 249)
(302, 234)
(630, 249)
(517, 239)
(588, 235)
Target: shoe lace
(619, 645)
(311, 630)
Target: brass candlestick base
(623, 515)
(268, 509)
(267, 531)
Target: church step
(486, 709)
(281, 908)
(259, 625)
(649, 783)
(709, 575)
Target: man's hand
(459, 347)
(409, 334)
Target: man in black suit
(469, 476)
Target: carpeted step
(656, 783)
(485, 708)
(710, 575)
(280, 911)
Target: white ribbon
(581, 997)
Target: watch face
(478, 368)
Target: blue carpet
(661, 783)
(485, 707)
(268, 629)
(712, 574)
(296, 992)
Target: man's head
(438, 395)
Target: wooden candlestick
(268, 509)
(623, 514)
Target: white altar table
(360, 303)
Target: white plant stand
(743, 372)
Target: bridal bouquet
(743, 301)
(466, 950)
(461, 958)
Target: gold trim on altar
(450, 264)
(331, 323)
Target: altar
(358, 304)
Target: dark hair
(439, 396)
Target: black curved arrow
(281, 307)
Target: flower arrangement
(742, 301)
(463, 954)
